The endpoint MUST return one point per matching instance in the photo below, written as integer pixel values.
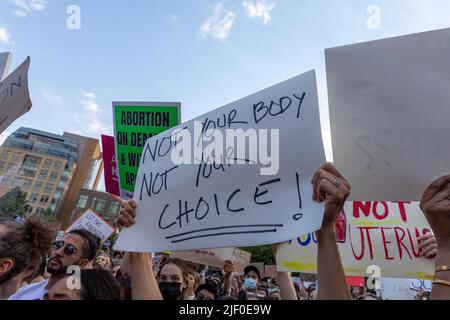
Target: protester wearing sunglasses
(77, 248)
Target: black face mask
(170, 290)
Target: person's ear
(83, 263)
(6, 265)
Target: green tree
(112, 240)
(13, 203)
(47, 216)
(261, 254)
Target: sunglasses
(69, 249)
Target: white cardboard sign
(14, 96)
(389, 112)
(197, 206)
(93, 223)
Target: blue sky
(203, 53)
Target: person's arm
(143, 281)
(435, 205)
(285, 283)
(287, 289)
(331, 188)
(228, 269)
(138, 265)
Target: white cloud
(38, 5)
(88, 95)
(96, 126)
(89, 103)
(259, 10)
(89, 122)
(5, 36)
(21, 4)
(52, 95)
(20, 14)
(91, 106)
(219, 23)
(25, 7)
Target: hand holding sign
(127, 214)
(331, 188)
(228, 268)
(436, 206)
(428, 245)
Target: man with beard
(77, 248)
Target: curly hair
(25, 244)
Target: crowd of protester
(34, 267)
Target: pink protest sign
(110, 166)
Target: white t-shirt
(35, 291)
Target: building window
(6, 180)
(114, 207)
(58, 164)
(82, 202)
(44, 200)
(48, 163)
(32, 162)
(17, 182)
(48, 188)
(2, 165)
(99, 204)
(16, 157)
(12, 168)
(37, 186)
(34, 198)
(27, 184)
(5, 155)
(43, 174)
(53, 176)
(30, 209)
(27, 173)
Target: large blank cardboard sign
(222, 204)
(390, 108)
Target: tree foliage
(262, 254)
(13, 203)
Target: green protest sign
(134, 123)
